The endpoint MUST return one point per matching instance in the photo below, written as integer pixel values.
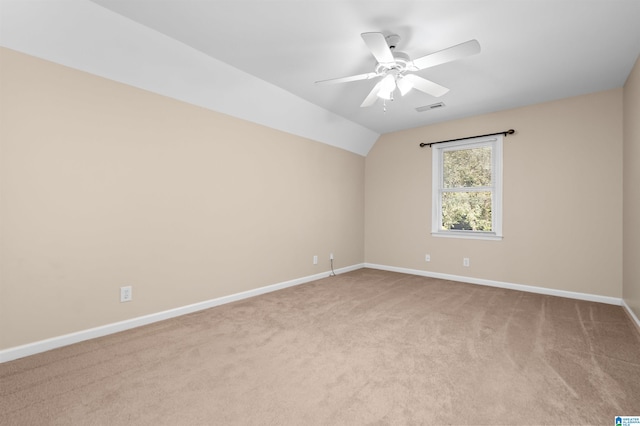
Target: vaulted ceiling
(259, 59)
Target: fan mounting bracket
(392, 40)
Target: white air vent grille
(430, 107)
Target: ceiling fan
(395, 67)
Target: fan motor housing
(402, 60)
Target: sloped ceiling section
(85, 36)
(532, 51)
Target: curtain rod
(505, 132)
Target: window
(467, 188)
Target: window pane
(466, 211)
(467, 168)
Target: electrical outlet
(427, 258)
(330, 256)
(315, 260)
(126, 294)
(465, 261)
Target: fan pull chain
(384, 103)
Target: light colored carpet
(365, 347)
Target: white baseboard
(92, 333)
(631, 314)
(491, 283)
(68, 339)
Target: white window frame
(495, 142)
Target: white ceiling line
(85, 36)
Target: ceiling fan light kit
(397, 68)
(387, 87)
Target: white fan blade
(372, 96)
(366, 76)
(377, 44)
(426, 86)
(459, 51)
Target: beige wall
(562, 198)
(105, 185)
(631, 167)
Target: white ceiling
(532, 51)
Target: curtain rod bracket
(505, 133)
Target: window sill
(467, 235)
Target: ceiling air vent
(430, 107)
